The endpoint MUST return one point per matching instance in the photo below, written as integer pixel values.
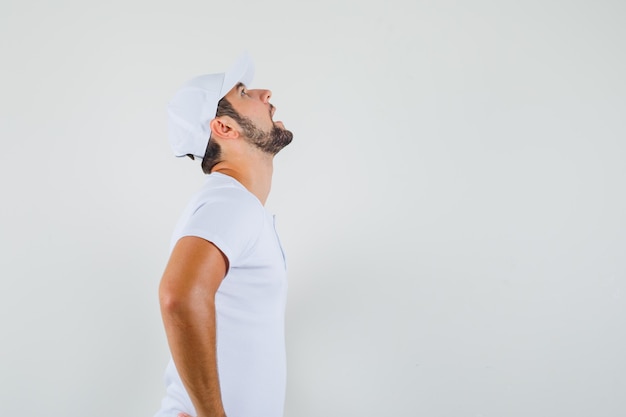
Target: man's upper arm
(195, 269)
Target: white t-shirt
(250, 301)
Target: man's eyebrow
(239, 85)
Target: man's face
(256, 119)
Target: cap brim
(242, 71)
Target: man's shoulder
(225, 191)
(222, 199)
(226, 214)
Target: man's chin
(280, 137)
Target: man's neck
(254, 174)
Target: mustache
(272, 108)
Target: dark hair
(213, 151)
(211, 156)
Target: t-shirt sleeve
(232, 222)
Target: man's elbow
(171, 301)
(181, 301)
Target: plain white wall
(452, 206)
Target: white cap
(194, 105)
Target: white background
(452, 206)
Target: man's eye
(243, 92)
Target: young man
(223, 291)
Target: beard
(273, 141)
(269, 142)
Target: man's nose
(265, 95)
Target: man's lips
(277, 122)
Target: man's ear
(224, 127)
